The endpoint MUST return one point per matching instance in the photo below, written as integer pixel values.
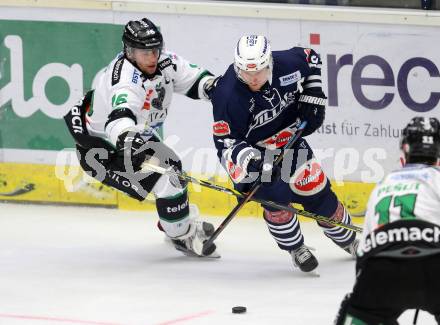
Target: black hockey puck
(238, 310)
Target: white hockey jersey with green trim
(408, 193)
(122, 85)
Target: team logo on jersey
(276, 141)
(280, 139)
(309, 179)
(290, 78)
(268, 115)
(221, 128)
(271, 97)
(157, 102)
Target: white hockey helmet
(253, 53)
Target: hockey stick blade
(147, 167)
(20, 190)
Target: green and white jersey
(123, 86)
(412, 192)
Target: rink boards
(50, 184)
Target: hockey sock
(174, 214)
(341, 236)
(284, 228)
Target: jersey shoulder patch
(221, 128)
(166, 63)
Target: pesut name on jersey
(290, 78)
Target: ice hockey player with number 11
(258, 105)
(398, 264)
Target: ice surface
(77, 265)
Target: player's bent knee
(171, 193)
(163, 156)
(278, 217)
(339, 215)
(168, 185)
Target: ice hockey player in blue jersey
(258, 105)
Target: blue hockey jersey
(264, 119)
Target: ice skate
(191, 243)
(352, 247)
(304, 259)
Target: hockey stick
(20, 190)
(147, 167)
(416, 315)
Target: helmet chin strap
(270, 71)
(402, 161)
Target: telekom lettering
(334, 65)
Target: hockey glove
(268, 172)
(311, 108)
(209, 86)
(134, 146)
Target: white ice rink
(70, 265)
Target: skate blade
(314, 274)
(190, 253)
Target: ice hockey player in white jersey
(398, 263)
(116, 125)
